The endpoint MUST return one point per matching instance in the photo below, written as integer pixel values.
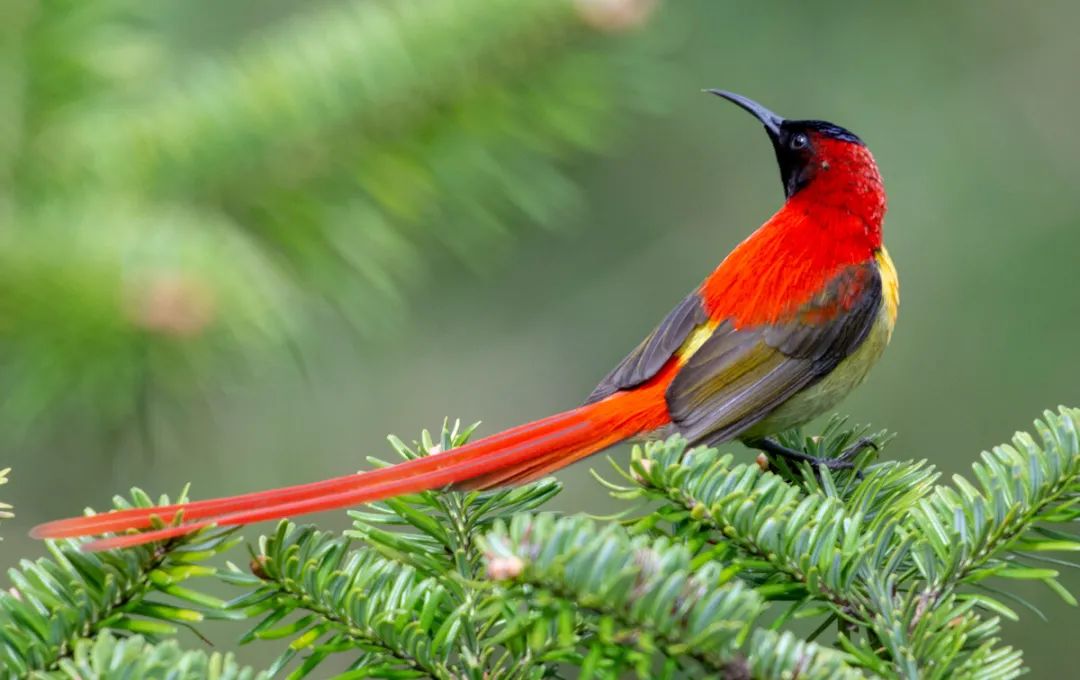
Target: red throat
(833, 222)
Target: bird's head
(818, 154)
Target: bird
(789, 323)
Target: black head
(796, 141)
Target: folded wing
(740, 375)
(655, 350)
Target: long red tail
(514, 456)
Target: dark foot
(841, 462)
(858, 447)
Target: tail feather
(516, 455)
(141, 518)
(362, 493)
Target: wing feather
(654, 351)
(739, 376)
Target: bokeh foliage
(162, 224)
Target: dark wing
(654, 351)
(738, 377)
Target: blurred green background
(242, 241)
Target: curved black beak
(770, 120)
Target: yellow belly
(848, 374)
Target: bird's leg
(855, 449)
(841, 462)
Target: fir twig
(909, 572)
(54, 603)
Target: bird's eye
(799, 142)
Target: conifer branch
(389, 64)
(134, 658)
(478, 584)
(54, 603)
(414, 599)
(889, 553)
(643, 594)
(355, 601)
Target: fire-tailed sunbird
(787, 325)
